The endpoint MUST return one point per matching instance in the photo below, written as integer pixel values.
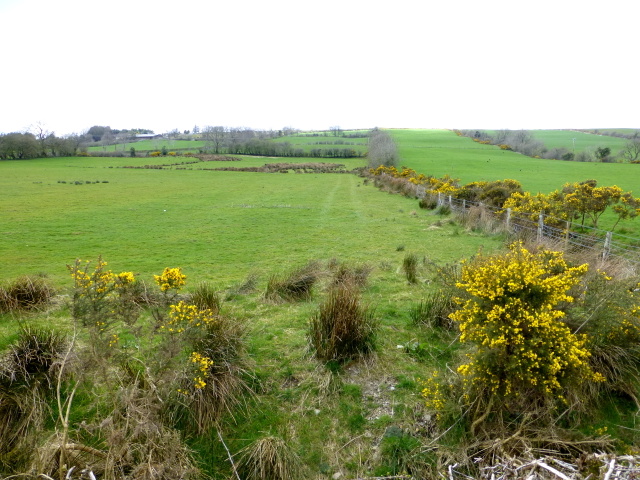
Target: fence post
(566, 235)
(540, 226)
(464, 205)
(508, 220)
(450, 203)
(607, 246)
(439, 198)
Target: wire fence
(607, 244)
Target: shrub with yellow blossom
(521, 346)
(97, 291)
(171, 279)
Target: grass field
(583, 141)
(217, 225)
(147, 145)
(441, 152)
(222, 226)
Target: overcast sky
(71, 64)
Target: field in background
(441, 152)
(583, 141)
(155, 144)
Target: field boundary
(605, 243)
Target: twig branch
(233, 465)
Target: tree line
(523, 141)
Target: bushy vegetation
(26, 293)
(360, 375)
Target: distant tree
(132, 152)
(214, 138)
(335, 130)
(97, 132)
(631, 151)
(602, 153)
(196, 129)
(108, 138)
(382, 150)
(42, 135)
(18, 146)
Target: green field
(217, 225)
(441, 152)
(151, 145)
(583, 141)
(221, 227)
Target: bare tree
(382, 149)
(214, 137)
(631, 151)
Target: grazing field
(155, 144)
(583, 141)
(140, 388)
(217, 225)
(441, 152)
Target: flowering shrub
(171, 279)
(97, 293)
(432, 393)
(520, 345)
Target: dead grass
(342, 328)
(269, 458)
(25, 293)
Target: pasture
(225, 226)
(151, 145)
(441, 152)
(217, 225)
(582, 141)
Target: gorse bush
(521, 348)
(607, 312)
(214, 381)
(96, 292)
(342, 328)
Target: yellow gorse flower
(171, 279)
(511, 319)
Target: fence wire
(607, 244)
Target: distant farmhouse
(147, 136)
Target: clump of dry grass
(25, 293)
(205, 296)
(136, 444)
(342, 328)
(28, 373)
(226, 379)
(410, 267)
(343, 274)
(269, 458)
(293, 286)
(434, 310)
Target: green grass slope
(441, 152)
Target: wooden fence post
(540, 226)
(607, 246)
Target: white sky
(156, 64)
